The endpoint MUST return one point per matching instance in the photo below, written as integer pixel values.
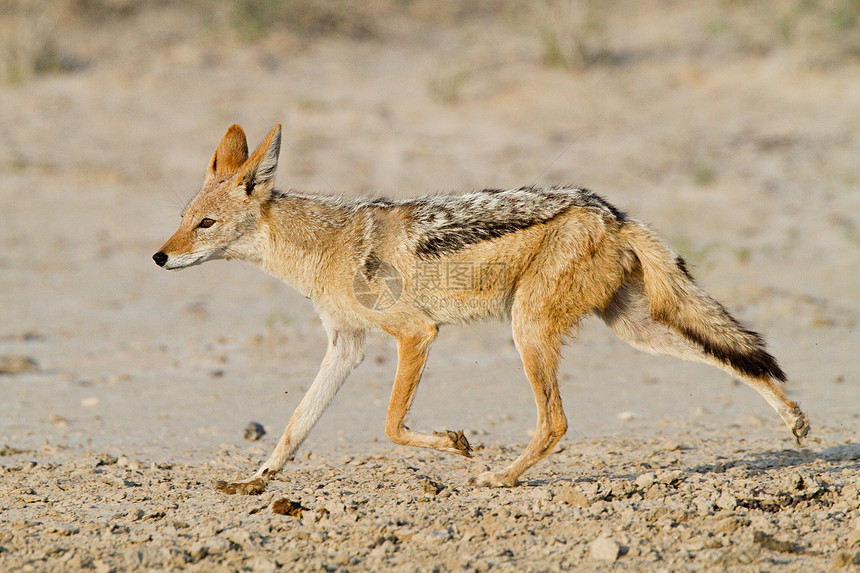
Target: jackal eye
(206, 223)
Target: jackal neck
(304, 236)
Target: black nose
(159, 258)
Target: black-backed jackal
(542, 258)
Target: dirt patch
(732, 128)
(682, 509)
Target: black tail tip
(749, 358)
(760, 364)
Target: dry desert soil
(732, 127)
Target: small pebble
(15, 364)
(254, 431)
(605, 549)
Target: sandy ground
(125, 390)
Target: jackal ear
(230, 154)
(259, 170)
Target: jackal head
(223, 220)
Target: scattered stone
(17, 364)
(254, 431)
(591, 490)
(773, 544)
(30, 336)
(311, 516)
(731, 524)
(197, 553)
(571, 496)
(704, 505)
(284, 506)
(671, 477)
(104, 460)
(626, 416)
(8, 450)
(812, 487)
(57, 420)
(90, 402)
(620, 489)
(239, 536)
(431, 487)
(255, 486)
(655, 491)
(844, 560)
(217, 545)
(645, 480)
(32, 497)
(793, 482)
(155, 515)
(605, 549)
(62, 529)
(727, 501)
(262, 564)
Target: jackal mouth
(184, 260)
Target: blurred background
(733, 126)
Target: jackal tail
(676, 301)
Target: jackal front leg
(412, 353)
(345, 352)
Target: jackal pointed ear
(259, 170)
(230, 154)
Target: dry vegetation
(34, 34)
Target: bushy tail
(677, 301)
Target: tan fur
(542, 258)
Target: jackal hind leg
(412, 351)
(539, 346)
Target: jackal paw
(254, 486)
(800, 429)
(459, 443)
(493, 479)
